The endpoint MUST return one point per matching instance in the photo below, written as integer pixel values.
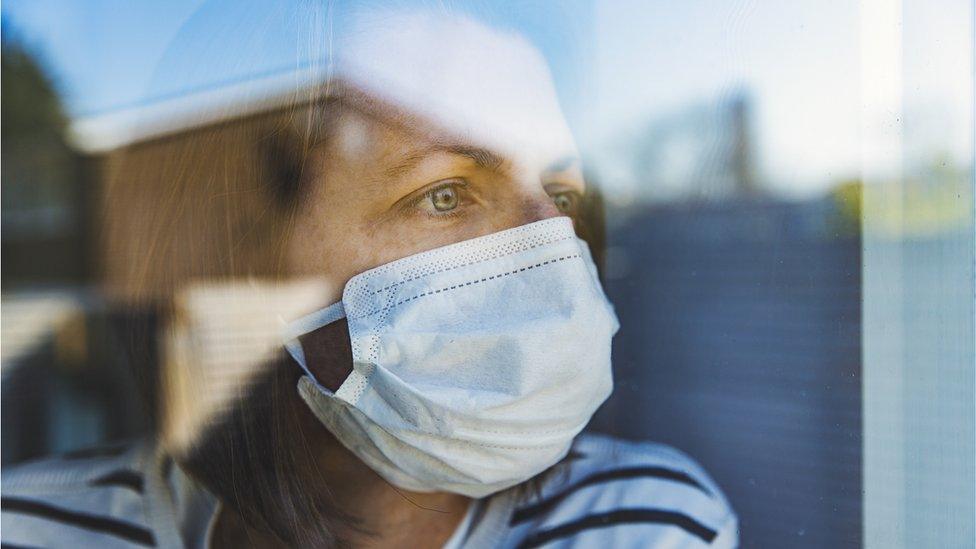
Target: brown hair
(219, 202)
(258, 457)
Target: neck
(388, 516)
(381, 515)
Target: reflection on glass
(788, 195)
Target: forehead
(391, 142)
(442, 77)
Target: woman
(436, 394)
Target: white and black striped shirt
(608, 493)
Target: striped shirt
(608, 493)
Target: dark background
(740, 345)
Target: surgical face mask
(474, 365)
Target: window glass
(785, 197)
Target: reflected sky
(619, 65)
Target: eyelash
(459, 184)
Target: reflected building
(705, 151)
(132, 301)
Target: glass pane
(779, 197)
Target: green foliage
(31, 107)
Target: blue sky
(618, 63)
(108, 54)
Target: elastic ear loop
(308, 324)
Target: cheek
(317, 249)
(333, 249)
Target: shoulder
(618, 493)
(91, 498)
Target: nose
(537, 207)
(532, 203)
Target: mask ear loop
(307, 324)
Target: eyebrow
(482, 157)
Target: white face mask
(474, 365)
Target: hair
(220, 202)
(258, 458)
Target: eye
(444, 199)
(567, 202)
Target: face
(386, 187)
(432, 145)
